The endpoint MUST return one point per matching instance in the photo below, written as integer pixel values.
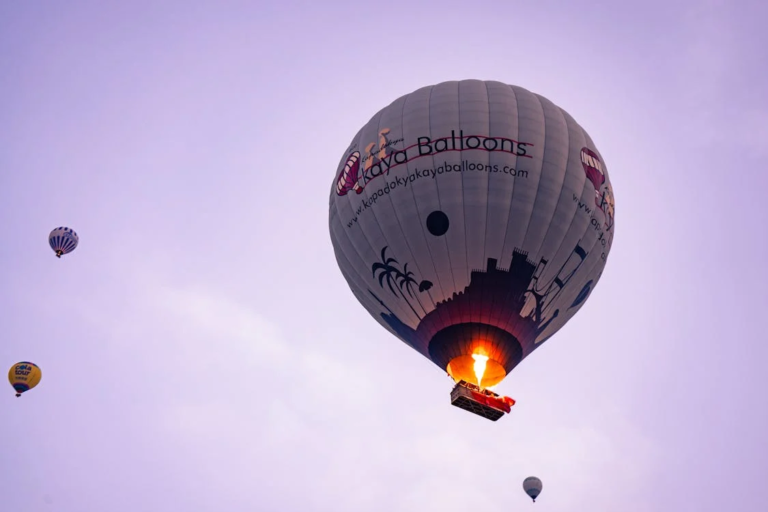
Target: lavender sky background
(200, 349)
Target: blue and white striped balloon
(63, 240)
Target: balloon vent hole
(478, 401)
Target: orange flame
(479, 367)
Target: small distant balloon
(63, 240)
(532, 487)
(24, 376)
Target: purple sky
(200, 349)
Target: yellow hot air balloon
(24, 376)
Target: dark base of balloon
(501, 314)
(489, 308)
(459, 339)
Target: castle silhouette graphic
(508, 308)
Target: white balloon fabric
(472, 217)
(532, 487)
(63, 240)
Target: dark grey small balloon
(437, 223)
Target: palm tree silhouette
(391, 273)
(388, 271)
(407, 282)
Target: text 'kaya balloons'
(63, 240)
(24, 376)
(472, 219)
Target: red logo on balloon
(593, 168)
(348, 178)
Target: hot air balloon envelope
(472, 219)
(532, 487)
(24, 376)
(63, 240)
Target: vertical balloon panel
(419, 121)
(503, 123)
(444, 115)
(424, 197)
(474, 120)
(554, 167)
(528, 166)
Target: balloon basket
(478, 401)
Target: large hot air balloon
(63, 240)
(532, 487)
(472, 219)
(24, 376)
